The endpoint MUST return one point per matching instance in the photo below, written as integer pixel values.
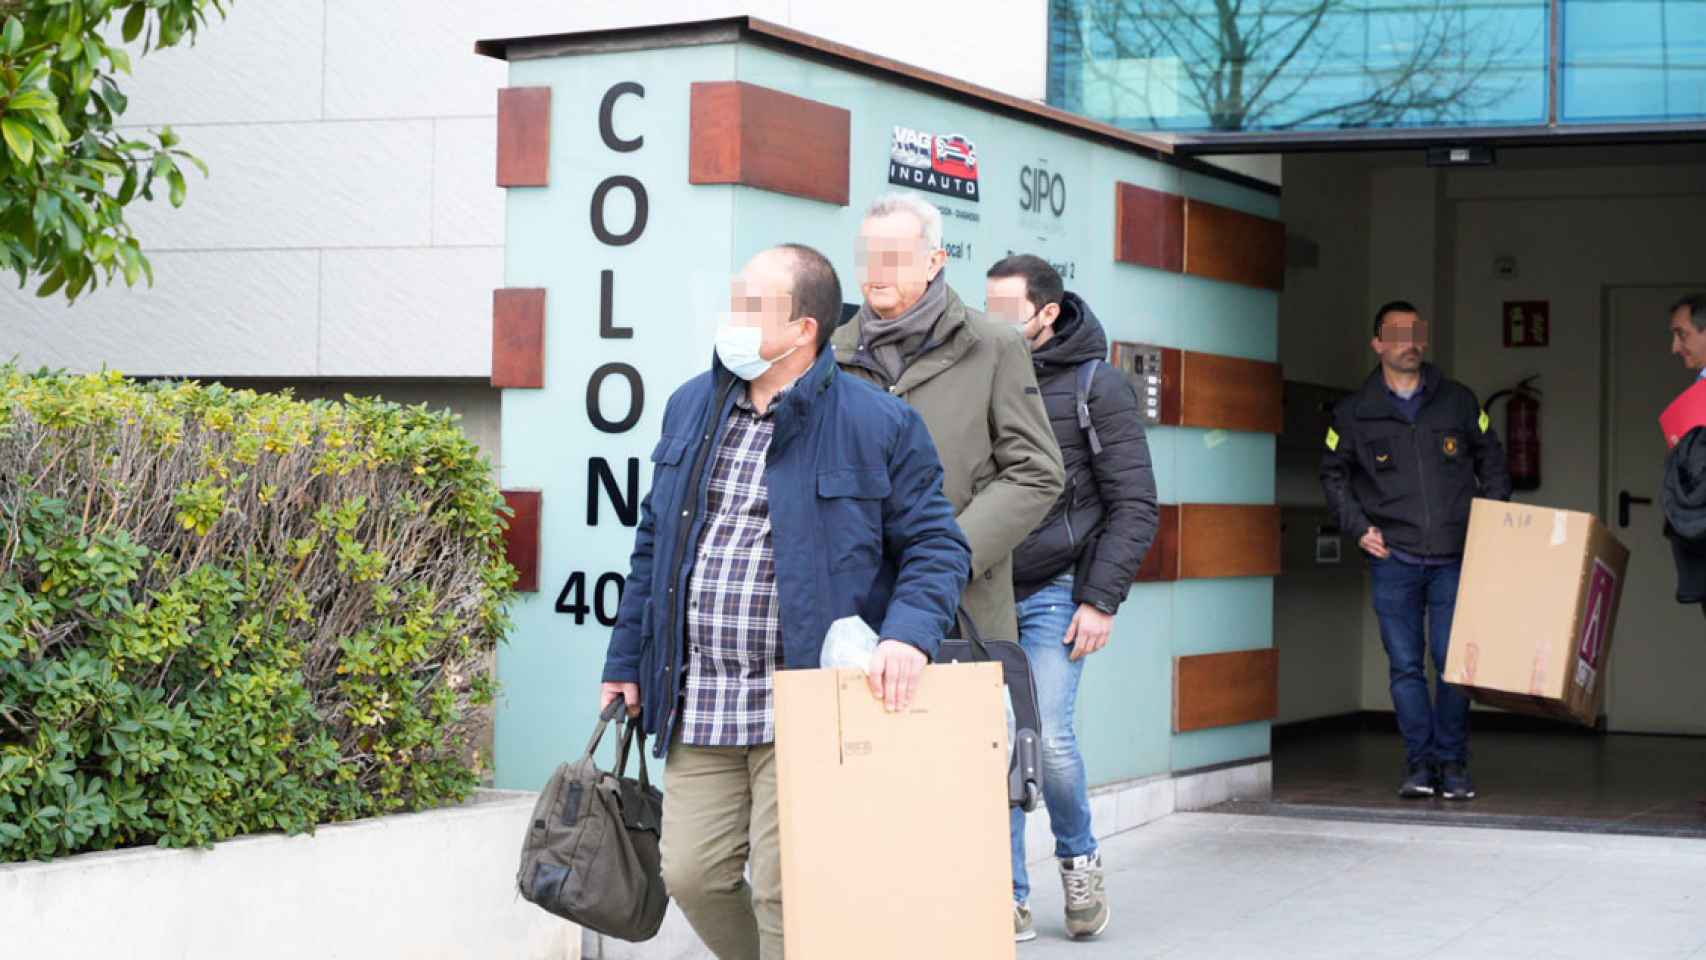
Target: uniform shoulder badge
(1485, 422)
(1332, 439)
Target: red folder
(1684, 413)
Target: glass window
(1633, 60)
(1231, 65)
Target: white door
(1658, 662)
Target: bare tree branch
(1245, 64)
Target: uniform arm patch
(1332, 440)
(1485, 422)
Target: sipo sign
(1040, 190)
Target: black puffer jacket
(1104, 522)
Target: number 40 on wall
(572, 599)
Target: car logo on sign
(955, 156)
(939, 163)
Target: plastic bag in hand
(849, 645)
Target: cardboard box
(894, 826)
(1535, 610)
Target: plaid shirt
(734, 630)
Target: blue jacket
(858, 522)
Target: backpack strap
(1086, 375)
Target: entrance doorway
(1584, 230)
(1658, 664)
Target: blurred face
(1402, 341)
(762, 297)
(1006, 300)
(1686, 341)
(895, 264)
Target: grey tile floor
(1222, 886)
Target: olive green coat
(976, 389)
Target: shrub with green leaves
(224, 612)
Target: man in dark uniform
(1405, 456)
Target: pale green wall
(699, 235)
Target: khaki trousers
(719, 817)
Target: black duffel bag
(1024, 768)
(591, 850)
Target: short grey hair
(927, 213)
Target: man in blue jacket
(785, 495)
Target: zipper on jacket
(678, 622)
(1071, 491)
(1422, 478)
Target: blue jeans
(1436, 731)
(1043, 619)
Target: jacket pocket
(669, 450)
(850, 512)
(666, 472)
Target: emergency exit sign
(1528, 323)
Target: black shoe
(1456, 783)
(1418, 783)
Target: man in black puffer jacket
(1072, 572)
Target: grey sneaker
(1086, 902)
(1023, 928)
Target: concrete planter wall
(438, 885)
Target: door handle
(1623, 502)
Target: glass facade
(1633, 61)
(1232, 66)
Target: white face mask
(738, 347)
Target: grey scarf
(891, 341)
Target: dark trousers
(1414, 604)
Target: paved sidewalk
(1227, 887)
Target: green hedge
(224, 612)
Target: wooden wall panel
(758, 137)
(1225, 689)
(1237, 247)
(521, 538)
(524, 137)
(1149, 227)
(518, 338)
(1162, 562)
(1230, 393)
(1172, 384)
(1196, 541)
(714, 134)
(1228, 540)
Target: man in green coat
(973, 383)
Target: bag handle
(969, 633)
(613, 711)
(628, 736)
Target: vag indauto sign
(937, 163)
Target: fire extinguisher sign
(1596, 618)
(1528, 323)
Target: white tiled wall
(350, 226)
